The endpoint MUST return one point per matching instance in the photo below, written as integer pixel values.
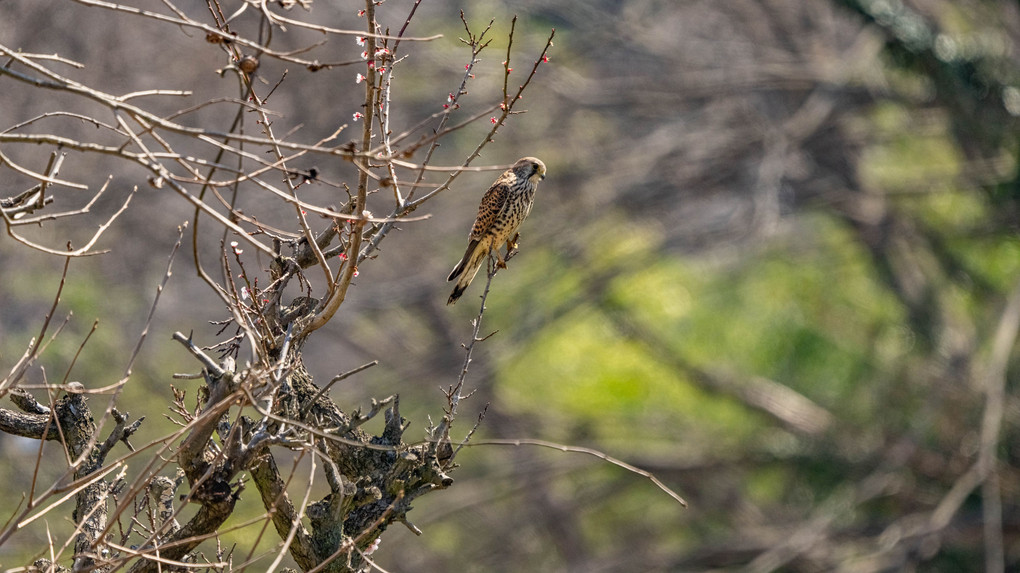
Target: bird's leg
(496, 260)
(511, 250)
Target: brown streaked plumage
(504, 207)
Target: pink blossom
(373, 547)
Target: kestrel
(504, 207)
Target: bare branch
(588, 451)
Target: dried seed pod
(248, 64)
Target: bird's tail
(466, 269)
(455, 295)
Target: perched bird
(504, 207)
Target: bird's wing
(492, 203)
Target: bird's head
(530, 168)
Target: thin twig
(587, 451)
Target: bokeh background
(774, 262)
